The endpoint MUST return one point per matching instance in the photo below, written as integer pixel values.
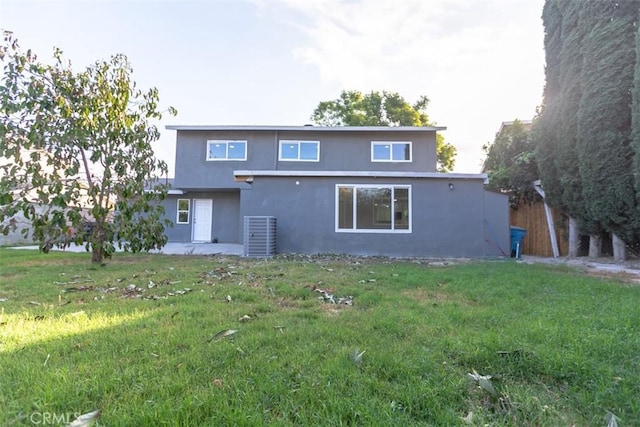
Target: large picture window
(388, 151)
(226, 150)
(373, 208)
(305, 151)
(183, 211)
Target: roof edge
(371, 174)
(306, 128)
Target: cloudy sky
(270, 62)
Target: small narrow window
(183, 211)
(226, 150)
(303, 151)
(390, 151)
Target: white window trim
(355, 199)
(374, 143)
(178, 210)
(226, 142)
(296, 141)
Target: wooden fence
(532, 217)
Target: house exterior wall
(497, 234)
(16, 237)
(450, 214)
(193, 171)
(445, 222)
(225, 221)
(347, 150)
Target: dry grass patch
(429, 297)
(621, 277)
(332, 310)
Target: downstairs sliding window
(373, 208)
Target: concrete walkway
(202, 249)
(171, 249)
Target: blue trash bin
(517, 234)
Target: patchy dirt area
(371, 259)
(628, 271)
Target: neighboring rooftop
(525, 123)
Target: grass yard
(155, 340)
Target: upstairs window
(390, 151)
(373, 208)
(183, 211)
(303, 151)
(226, 150)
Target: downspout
(552, 230)
(484, 222)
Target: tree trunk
(619, 249)
(97, 254)
(97, 243)
(574, 238)
(595, 246)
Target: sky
(270, 62)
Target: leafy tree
(510, 162)
(353, 108)
(77, 148)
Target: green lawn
(139, 340)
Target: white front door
(202, 218)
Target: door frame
(195, 218)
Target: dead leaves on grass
(150, 291)
(356, 356)
(227, 333)
(217, 274)
(491, 397)
(86, 420)
(326, 295)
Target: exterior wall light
(451, 186)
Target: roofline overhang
(249, 175)
(308, 128)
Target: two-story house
(343, 190)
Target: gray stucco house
(344, 190)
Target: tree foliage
(353, 108)
(635, 122)
(510, 162)
(547, 120)
(604, 115)
(583, 130)
(570, 92)
(77, 149)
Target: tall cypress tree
(570, 83)
(635, 123)
(545, 126)
(604, 117)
